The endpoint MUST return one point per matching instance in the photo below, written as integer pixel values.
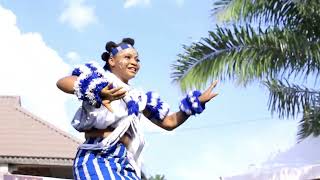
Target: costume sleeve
(156, 107)
(88, 68)
(89, 83)
(191, 104)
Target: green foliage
(157, 177)
(288, 100)
(310, 123)
(246, 54)
(286, 44)
(271, 11)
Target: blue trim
(114, 51)
(154, 109)
(74, 165)
(91, 169)
(133, 107)
(84, 84)
(106, 158)
(131, 172)
(97, 90)
(102, 165)
(79, 165)
(76, 72)
(187, 103)
(91, 66)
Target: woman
(111, 112)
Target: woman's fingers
(109, 86)
(208, 94)
(122, 96)
(108, 106)
(112, 94)
(113, 90)
(106, 103)
(213, 95)
(105, 90)
(119, 93)
(109, 89)
(213, 85)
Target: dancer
(112, 110)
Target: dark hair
(109, 46)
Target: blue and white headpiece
(121, 47)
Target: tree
(274, 42)
(157, 177)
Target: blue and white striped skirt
(112, 163)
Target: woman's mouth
(132, 69)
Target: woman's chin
(131, 74)
(129, 77)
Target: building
(32, 146)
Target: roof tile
(22, 134)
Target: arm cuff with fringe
(191, 104)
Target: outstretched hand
(208, 94)
(109, 94)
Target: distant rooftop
(27, 139)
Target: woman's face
(125, 64)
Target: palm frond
(157, 177)
(244, 54)
(310, 123)
(288, 100)
(289, 46)
(307, 7)
(309, 19)
(275, 11)
(222, 5)
(227, 10)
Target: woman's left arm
(174, 120)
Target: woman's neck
(121, 79)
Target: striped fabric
(123, 46)
(111, 164)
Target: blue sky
(42, 40)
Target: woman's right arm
(66, 84)
(108, 94)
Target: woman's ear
(111, 62)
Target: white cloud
(133, 3)
(180, 2)
(73, 56)
(30, 69)
(78, 15)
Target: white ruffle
(89, 92)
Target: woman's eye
(127, 57)
(138, 60)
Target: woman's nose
(134, 62)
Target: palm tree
(157, 177)
(274, 42)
